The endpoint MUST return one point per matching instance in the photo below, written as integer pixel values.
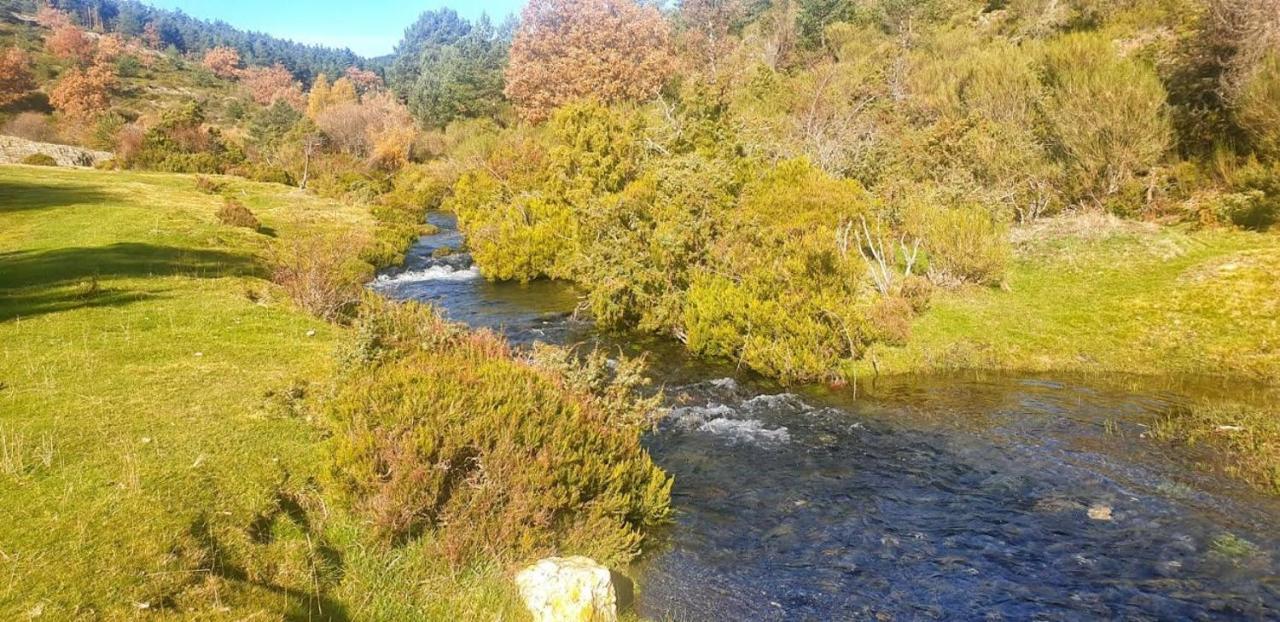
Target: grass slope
(134, 369)
(1094, 295)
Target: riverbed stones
(568, 589)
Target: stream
(960, 498)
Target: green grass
(1245, 439)
(135, 369)
(1087, 294)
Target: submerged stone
(568, 589)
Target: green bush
(444, 432)
(1107, 115)
(39, 159)
(963, 243)
(1257, 105)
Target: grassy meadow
(1093, 294)
(136, 365)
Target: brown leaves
(84, 93)
(15, 75)
(609, 50)
(223, 61)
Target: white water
(433, 273)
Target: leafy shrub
(39, 159)
(444, 432)
(235, 214)
(322, 273)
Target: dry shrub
(209, 185)
(130, 142)
(69, 42)
(235, 214)
(322, 273)
(39, 159)
(443, 432)
(379, 128)
(32, 126)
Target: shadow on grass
(19, 197)
(38, 282)
(304, 605)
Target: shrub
(1106, 114)
(32, 126)
(322, 273)
(209, 185)
(445, 433)
(1257, 105)
(235, 214)
(964, 243)
(39, 159)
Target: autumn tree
(366, 81)
(324, 96)
(69, 42)
(83, 94)
(15, 75)
(267, 85)
(564, 50)
(223, 61)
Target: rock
(568, 589)
(1100, 512)
(14, 149)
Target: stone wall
(14, 149)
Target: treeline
(188, 35)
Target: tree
(15, 75)
(462, 80)
(564, 50)
(69, 42)
(268, 85)
(320, 96)
(432, 29)
(223, 61)
(344, 92)
(83, 94)
(366, 81)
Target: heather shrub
(235, 214)
(1257, 104)
(209, 185)
(445, 433)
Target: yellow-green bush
(1257, 105)
(443, 431)
(1107, 114)
(780, 292)
(963, 243)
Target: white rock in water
(568, 589)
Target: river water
(961, 498)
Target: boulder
(568, 589)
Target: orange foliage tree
(608, 50)
(223, 61)
(69, 42)
(365, 80)
(267, 85)
(84, 93)
(15, 75)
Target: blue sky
(368, 27)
